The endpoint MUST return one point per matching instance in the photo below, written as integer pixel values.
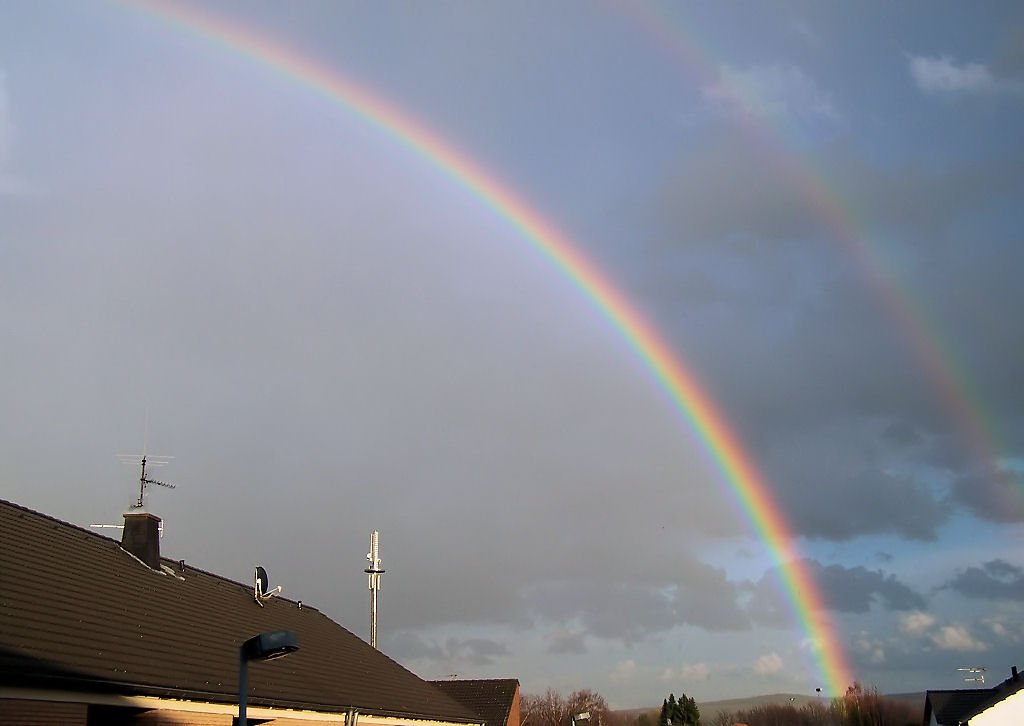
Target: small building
(494, 700)
(1002, 705)
(93, 631)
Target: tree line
(859, 706)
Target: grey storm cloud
(737, 188)
(731, 189)
(854, 589)
(868, 502)
(708, 601)
(791, 355)
(448, 652)
(1008, 59)
(567, 641)
(902, 433)
(993, 580)
(992, 496)
(844, 590)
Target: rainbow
(948, 380)
(706, 422)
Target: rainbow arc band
(698, 411)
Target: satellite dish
(262, 581)
(261, 586)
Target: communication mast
(374, 571)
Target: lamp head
(267, 646)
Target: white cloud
(1006, 628)
(686, 672)
(624, 671)
(942, 75)
(872, 650)
(956, 637)
(770, 91)
(768, 664)
(810, 645)
(916, 623)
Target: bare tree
(553, 709)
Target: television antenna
(154, 462)
(143, 459)
(973, 674)
(261, 586)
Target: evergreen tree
(681, 712)
(668, 710)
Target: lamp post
(265, 646)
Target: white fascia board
(170, 704)
(166, 704)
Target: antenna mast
(143, 479)
(154, 461)
(374, 571)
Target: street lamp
(585, 716)
(265, 646)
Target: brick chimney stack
(141, 537)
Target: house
(93, 631)
(1002, 705)
(495, 700)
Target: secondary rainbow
(665, 23)
(699, 411)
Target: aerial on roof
(80, 613)
(953, 707)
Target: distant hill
(709, 710)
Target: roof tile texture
(77, 611)
(491, 699)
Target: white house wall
(1008, 712)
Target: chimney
(141, 537)
(1013, 673)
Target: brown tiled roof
(490, 699)
(78, 612)
(953, 706)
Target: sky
(814, 205)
